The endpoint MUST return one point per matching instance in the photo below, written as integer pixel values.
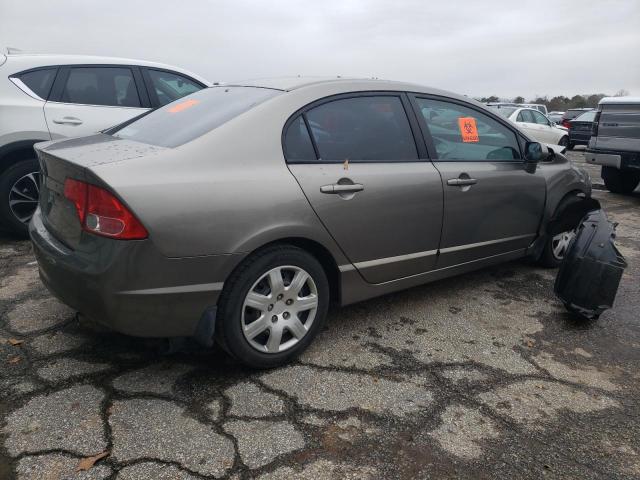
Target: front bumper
(128, 285)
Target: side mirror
(535, 152)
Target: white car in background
(535, 124)
(536, 106)
(46, 97)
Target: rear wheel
(564, 141)
(618, 181)
(272, 306)
(19, 192)
(571, 146)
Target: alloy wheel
(279, 309)
(23, 196)
(560, 244)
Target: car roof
(288, 84)
(23, 61)
(619, 100)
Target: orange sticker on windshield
(468, 129)
(178, 107)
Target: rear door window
(297, 142)
(39, 81)
(465, 134)
(111, 86)
(170, 86)
(181, 121)
(362, 129)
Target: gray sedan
(239, 213)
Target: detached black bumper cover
(590, 273)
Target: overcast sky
(479, 48)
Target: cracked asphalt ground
(480, 376)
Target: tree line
(560, 102)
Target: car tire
(571, 146)
(564, 141)
(617, 181)
(257, 313)
(19, 182)
(555, 249)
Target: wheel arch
(12, 153)
(319, 251)
(565, 214)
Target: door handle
(461, 182)
(67, 121)
(342, 188)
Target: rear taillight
(565, 123)
(100, 212)
(594, 125)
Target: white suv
(45, 97)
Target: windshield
(586, 117)
(504, 111)
(192, 116)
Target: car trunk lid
(75, 158)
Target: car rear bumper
(617, 159)
(128, 286)
(605, 159)
(579, 138)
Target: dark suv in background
(615, 143)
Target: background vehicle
(253, 239)
(537, 106)
(555, 117)
(501, 104)
(536, 124)
(45, 97)
(580, 129)
(615, 143)
(572, 113)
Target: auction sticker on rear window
(468, 129)
(178, 107)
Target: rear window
(586, 117)
(569, 114)
(181, 121)
(39, 81)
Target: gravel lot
(481, 376)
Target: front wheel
(272, 306)
(19, 192)
(556, 249)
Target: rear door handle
(67, 121)
(461, 182)
(342, 188)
